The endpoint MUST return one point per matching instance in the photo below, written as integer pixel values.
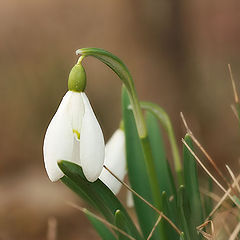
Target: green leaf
(92, 198)
(137, 171)
(182, 209)
(101, 196)
(195, 217)
(167, 125)
(168, 211)
(165, 178)
(121, 223)
(182, 237)
(101, 229)
(208, 203)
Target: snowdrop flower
(74, 133)
(115, 160)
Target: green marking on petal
(77, 133)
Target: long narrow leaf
(90, 197)
(137, 171)
(101, 229)
(165, 178)
(192, 189)
(167, 125)
(98, 193)
(120, 222)
(167, 210)
(208, 202)
(181, 211)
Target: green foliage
(101, 229)
(149, 172)
(121, 223)
(195, 216)
(165, 121)
(208, 203)
(137, 171)
(182, 207)
(165, 178)
(96, 194)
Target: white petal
(115, 160)
(76, 110)
(58, 141)
(91, 143)
(76, 150)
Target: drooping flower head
(74, 133)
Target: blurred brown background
(177, 52)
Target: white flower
(115, 160)
(74, 135)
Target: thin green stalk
(167, 125)
(176, 156)
(151, 171)
(153, 179)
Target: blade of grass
(146, 202)
(181, 213)
(167, 125)
(154, 227)
(121, 223)
(168, 211)
(137, 172)
(103, 197)
(85, 211)
(165, 178)
(90, 197)
(100, 227)
(195, 217)
(219, 172)
(214, 179)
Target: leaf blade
(192, 188)
(104, 199)
(100, 228)
(137, 170)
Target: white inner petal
(76, 150)
(76, 110)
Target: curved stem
(121, 70)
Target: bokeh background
(177, 52)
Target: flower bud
(77, 79)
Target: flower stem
(153, 179)
(122, 71)
(167, 125)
